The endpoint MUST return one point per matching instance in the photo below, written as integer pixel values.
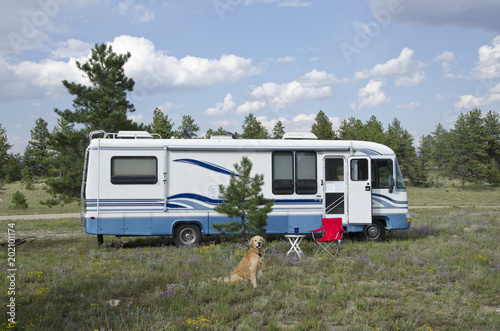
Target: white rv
(142, 186)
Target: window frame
(131, 179)
(303, 186)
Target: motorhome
(135, 184)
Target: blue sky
(422, 62)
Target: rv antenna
(187, 134)
(232, 135)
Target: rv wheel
(187, 234)
(375, 231)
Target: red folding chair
(332, 236)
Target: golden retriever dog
(250, 267)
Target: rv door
(359, 210)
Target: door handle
(367, 188)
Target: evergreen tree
(492, 135)
(104, 104)
(243, 199)
(67, 162)
(351, 129)
(12, 168)
(101, 106)
(401, 142)
(219, 132)
(161, 124)
(469, 159)
(37, 154)
(4, 156)
(441, 149)
(188, 125)
(253, 129)
(322, 127)
(278, 130)
(373, 131)
(425, 150)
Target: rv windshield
(399, 180)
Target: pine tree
(253, 129)
(469, 160)
(219, 132)
(4, 156)
(278, 130)
(104, 104)
(101, 106)
(37, 154)
(243, 199)
(188, 125)
(322, 127)
(161, 124)
(351, 129)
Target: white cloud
(155, 72)
(30, 79)
(137, 118)
(370, 96)
(71, 48)
(169, 106)
(481, 14)
(470, 101)
(138, 12)
(411, 105)
(312, 86)
(281, 3)
(152, 70)
(222, 107)
(406, 70)
(448, 62)
(250, 107)
(488, 66)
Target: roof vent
(299, 136)
(134, 135)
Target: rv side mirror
(391, 183)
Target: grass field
(441, 274)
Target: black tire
(187, 235)
(374, 231)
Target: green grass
(442, 274)
(33, 197)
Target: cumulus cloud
(406, 70)
(250, 107)
(468, 14)
(448, 62)
(411, 105)
(154, 71)
(469, 101)
(312, 86)
(71, 48)
(488, 66)
(370, 96)
(30, 79)
(222, 107)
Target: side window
(134, 170)
(359, 169)
(381, 170)
(305, 180)
(282, 173)
(294, 173)
(334, 170)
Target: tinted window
(134, 170)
